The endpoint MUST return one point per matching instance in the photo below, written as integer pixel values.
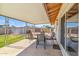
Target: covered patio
(27, 20)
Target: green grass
(10, 39)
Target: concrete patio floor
(40, 51)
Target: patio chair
(51, 37)
(41, 38)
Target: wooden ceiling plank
(53, 13)
(53, 10)
(53, 6)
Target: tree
(47, 26)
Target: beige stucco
(29, 12)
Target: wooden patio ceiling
(52, 10)
(73, 11)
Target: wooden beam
(53, 13)
(73, 11)
(52, 5)
(54, 9)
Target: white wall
(58, 36)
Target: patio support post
(25, 30)
(58, 30)
(65, 31)
(78, 31)
(6, 29)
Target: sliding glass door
(71, 31)
(72, 38)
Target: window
(72, 38)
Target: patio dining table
(47, 36)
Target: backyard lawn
(10, 39)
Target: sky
(41, 25)
(75, 24)
(13, 22)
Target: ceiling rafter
(53, 5)
(53, 13)
(53, 10)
